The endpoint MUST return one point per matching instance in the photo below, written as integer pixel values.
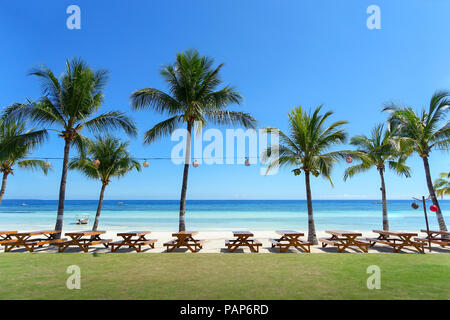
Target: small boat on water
(82, 219)
(120, 203)
(23, 204)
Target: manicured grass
(224, 276)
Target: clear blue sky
(279, 54)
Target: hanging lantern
(195, 163)
(247, 162)
(145, 164)
(47, 163)
(434, 208)
(415, 205)
(349, 159)
(96, 162)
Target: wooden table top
(182, 233)
(133, 233)
(289, 233)
(35, 233)
(395, 233)
(84, 233)
(7, 232)
(343, 233)
(242, 233)
(446, 233)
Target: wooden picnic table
(397, 240)
(6, 235)
(436, 237)
(27, 240)
(185, 239)
(133, 239)
(83, 243)
(290, 238)
(343, 239)
(242, 239)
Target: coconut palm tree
(442, 185)
(70, 104)
(381, 149)
(424, 132)
(105, 158)
(306, 148)
(16, 143)
(192, 97)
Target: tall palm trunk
(383, 200)
(182, 222)
(439, 215)
(99, 207)
(311, 228)
(62, 189)
(2, 191)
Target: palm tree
(381, 149)
(442, 185)
(306, 148)
(193, 97)
(71, 103)
(16, 143)
(114, 161)
(423, 132)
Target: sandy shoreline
(215, 243)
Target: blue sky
(279, 54)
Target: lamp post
(415, 206)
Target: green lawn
(224, 276)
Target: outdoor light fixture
(349, 159)
(96, 162)
(145, 164)
(247, 162)
(195, 163)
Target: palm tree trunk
(99, 208)
(311, 228)
(2, 192)
(62, 189)
(383, 200)
(182, 222)
(439, 215)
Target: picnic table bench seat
(252, 244)
(84, 244)
(175, 241)
(285, 245)
(342, 243)
(137, 245)
(192, 245)
(30, 244)
(441, 242)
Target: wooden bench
(401, 240)
(173, 244)
(83, 244)
(285, 246)
(343, 239)
(242, 239)
(442, 242)
(30, 244)
(135, 245)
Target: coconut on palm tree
(307, 148)
(423, 132)
(193, 96)
(16, 143)
(105, 158)
(442, 184)
(381, 149)
(70, 104)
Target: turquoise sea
(219, 215)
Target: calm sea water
(219, 215)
